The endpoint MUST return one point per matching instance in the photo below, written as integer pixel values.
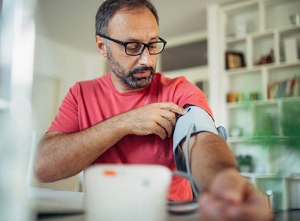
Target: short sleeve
(67, 120)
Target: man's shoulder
(87, 86)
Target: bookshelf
(261, 96)
(260, 124)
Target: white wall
(56, 68)
(67, 64)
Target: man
(128, 116)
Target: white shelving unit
(265, 25)
(284, 190)
(258, 124)
(182, 48)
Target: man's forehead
(129, 20)
(125, 11)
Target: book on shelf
(285, 88)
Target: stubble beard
(129, 79)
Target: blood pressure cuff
(202, 121)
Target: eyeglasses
(137, 48)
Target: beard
(128, 78)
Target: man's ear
(101, 46)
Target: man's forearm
(63, 155)
(209, 155)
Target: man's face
(129, 78)
(132, 72)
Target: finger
(160, 131)
(254, 208)
(173, 107)
(255, 205)
(249, 213)
(211, 208)
(167, 125)
(170, 116)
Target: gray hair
(109, 7)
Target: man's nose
(146, 58)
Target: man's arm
(62, 155)
(209, 154)
(226, 194)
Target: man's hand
(230, 197)
(156, 118)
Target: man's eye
(153, 45)
(133, 46)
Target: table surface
(292, 215)
(55, 205)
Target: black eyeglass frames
(137, 48)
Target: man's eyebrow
(137, 40)
(154, 39)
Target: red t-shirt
(90, 102)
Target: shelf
(248, 103)
(184, 51)
(285, 188)
(290, 28)
(254, 139)
(235, 39)
(239, 15)
(277, 12)
(237, 71)
(236, 7)
(283, 65)
(186, 55)
(238, 139)
(261, 103)
(287, 28)
(255, 68)
(262, 175)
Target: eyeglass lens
(137, 48)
